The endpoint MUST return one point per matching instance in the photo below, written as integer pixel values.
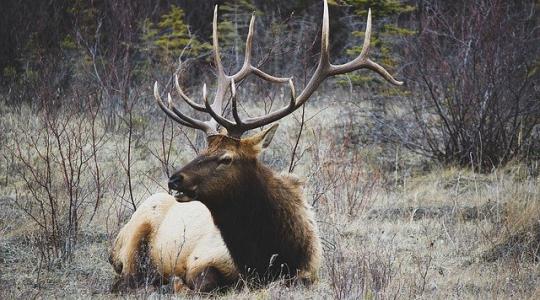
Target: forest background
(442, 173)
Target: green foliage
(228, 34)
(68, 43)
(383, 38)
(171, 36)
(9, 72)
(238, 6)
(379, 8)
(86, 15)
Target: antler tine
(235, 104)
(256, 122)
(326, 69)
(247, 55)
(247, 67)
(292, 102)
(216, 116)
(173, 115)
(367, 38)
(186, 98)
(251, 123)
(187, 119)
(324, 60)
(268, 77)
(362, 61)
(215, 44)
(215, 109)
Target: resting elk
(263, 218)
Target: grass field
(392, 224)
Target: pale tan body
(182, 239)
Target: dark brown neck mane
(264, 226)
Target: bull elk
(264, 219)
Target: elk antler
(324, 70)
(224, 80)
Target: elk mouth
(184, 195)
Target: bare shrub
(168, 136)
(56, 175)
(339, 179)
(357, 273)
(347, 277)
(472, 76)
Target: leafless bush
(167, 138)
(347, 277)
(472, 74)
(56, 174)
(356, 274)
(127, 163)
(423, 265)
(339, 180)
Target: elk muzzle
(175, 182)
(183, 191)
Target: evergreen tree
(384, 36)
(171, 37)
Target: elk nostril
(175, 181)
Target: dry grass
(390, 228)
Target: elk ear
(262, 139)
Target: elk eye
(225, 160)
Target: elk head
(226, 163)
(227, 153)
